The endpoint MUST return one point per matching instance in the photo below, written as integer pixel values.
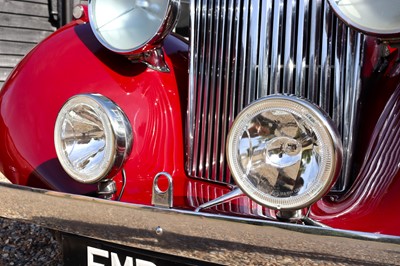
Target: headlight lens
(93, 137)
(125, 26)
(283, 152)
(370, 16)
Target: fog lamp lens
(125, 26)
(370, 16)
(92, 137)
(283, 152)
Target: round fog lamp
(370, 16)
(283, 152)
(126, 26)
(92, 137)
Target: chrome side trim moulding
(214, 238)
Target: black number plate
(86, 251)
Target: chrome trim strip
(214, 238)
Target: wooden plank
(15, 48)
(22, 35)
(9, 61)
(4, 72)
(27, 8)
(35, 1)
(26, 22)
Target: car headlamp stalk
(284, 152)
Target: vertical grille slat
(213, 91)
(253, 44)
(193, 105)
(242, 55)
(242, 50)
(314, 56)
(264, 50)
(276, 44)
(216, 156)
(207, 91)
(289, 49)
(339, 66)
(352, 97)
(225, 85)
(325, 77)
(302, 42)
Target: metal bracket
(237, 192)
(162, 198)
(154, 59)
(106, 189)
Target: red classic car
(251, 130)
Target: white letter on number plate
(91, 252)
(115, 260)
(144, 263)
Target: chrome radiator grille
(242, 50)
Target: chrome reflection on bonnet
(244, 50)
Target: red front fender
(71, 62)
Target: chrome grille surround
(242, 50)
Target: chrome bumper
(215, 238)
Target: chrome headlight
(283, 152)
(128, 26)
(370, 16)
(93, 137)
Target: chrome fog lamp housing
(379, 18)
(130, 26)
(93, 138)
(283, 152)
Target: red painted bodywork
(370, 203)
(72, 61)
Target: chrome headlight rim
(327, 126)
(117, 131)
(171, 17)
(348, 20)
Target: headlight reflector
(283, 152)
(92, 137)
(125, 26)
(370, 16)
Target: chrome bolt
(78, 12)
(159, 230)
